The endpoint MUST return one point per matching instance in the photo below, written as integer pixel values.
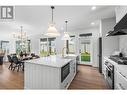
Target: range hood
(120, 28)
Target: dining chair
(17, 62)
(11, 61)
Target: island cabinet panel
(41, 77)
(49, 73)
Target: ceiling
(35, 19)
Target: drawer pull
(121, 86)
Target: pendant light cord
(66, 25)
(52, 7)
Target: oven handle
(108, 68)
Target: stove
(119, 60)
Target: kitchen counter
(52, 72)
(53, 61)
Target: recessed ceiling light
(92, 23)
(93, 8)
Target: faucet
(63, 51)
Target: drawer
(121, 81)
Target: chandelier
(21, 37)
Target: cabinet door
(121, 81)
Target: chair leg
(14, 67)
(18, 68)
(23, 68)
(10, 66)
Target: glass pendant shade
(52, 32)
(66, 35)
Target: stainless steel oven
(109, 74)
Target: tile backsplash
(123, 44)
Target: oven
(109, 74)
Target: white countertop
(53, 61)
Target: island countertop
(53, 61)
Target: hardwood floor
(88, 78)
(10, 79)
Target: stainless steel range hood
(118, 32)
(120, 28)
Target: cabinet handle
(121, 86)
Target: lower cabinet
(120, 81)
(47, 77)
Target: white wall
(59, 44)
(35, 43)
(123, 44)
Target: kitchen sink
(69, 56)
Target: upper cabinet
(120, 12)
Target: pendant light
(52, 31)
(66, 35)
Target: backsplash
(123, 44)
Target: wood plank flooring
(88, 78)
(10, 79)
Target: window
(47, 46)
(4, 46)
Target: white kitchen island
(53, 72)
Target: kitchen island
(53, 72)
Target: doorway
(85, 50)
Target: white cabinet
(121, 81)
(120, 12)
(47, 77)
